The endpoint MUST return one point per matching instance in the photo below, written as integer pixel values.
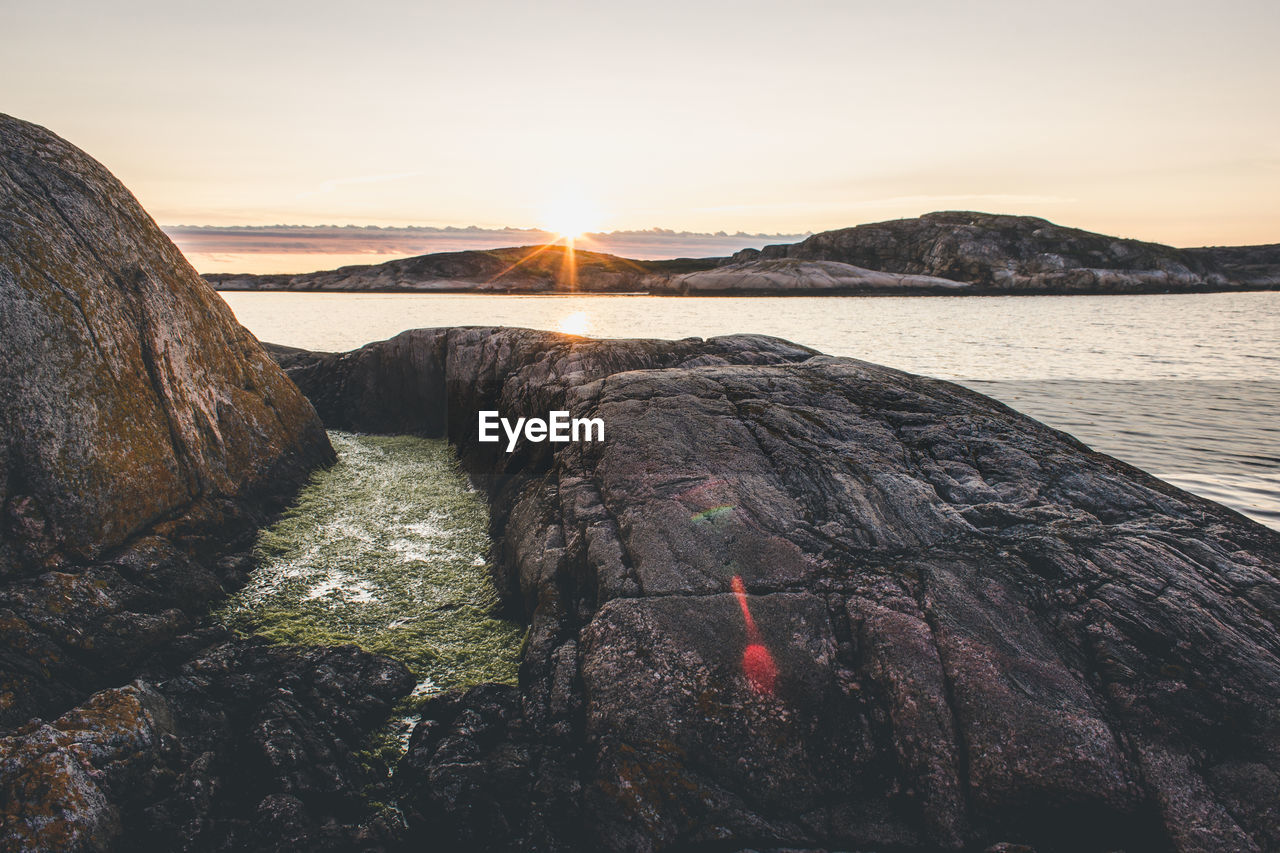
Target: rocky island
(791, 601)
(945, 253)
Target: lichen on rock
(144, 434)
(129, 389)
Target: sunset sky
(1156, 120)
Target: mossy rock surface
(386, 550)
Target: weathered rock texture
(955, 627)
(244, 747)
(143, 435)
(129, 389)
(936, 254)
(1250, 266)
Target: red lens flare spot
(740, 591)
(757, 663)
(758, 666)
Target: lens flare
(757, 663)
(758, 666)
(711, 514)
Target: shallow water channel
(387, 550)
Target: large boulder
(143, 431)
(129, 390)
(808, 602)
(143, 436)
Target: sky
(1155, 120)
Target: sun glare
(571, 217)
(576, 323)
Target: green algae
(386, 550)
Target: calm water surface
(1185, 386)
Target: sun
(570, 217)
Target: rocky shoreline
(938, 254)
(791, 601)
(982, 632)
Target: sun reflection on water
(577, 323)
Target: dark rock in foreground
(800, 601)
(245, 746)
(144, 435)
(945, 253)
(143, 431)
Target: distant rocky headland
(792, 602)
(950, 252)
(403, 241)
